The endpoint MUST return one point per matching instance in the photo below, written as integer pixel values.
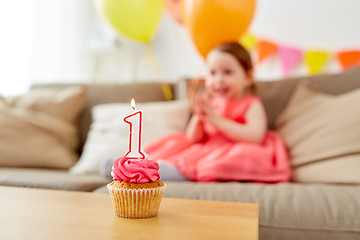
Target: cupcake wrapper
(136, 203)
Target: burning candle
(135, 138)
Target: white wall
(69, 45)
(329, 25)
(170, 55)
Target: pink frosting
(135, 170)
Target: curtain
(15, 46)
(43, 41)
(61, 32)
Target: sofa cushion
(322, 134)
(50, 179)
(97, 94)
(276, 94)
(287, 210)
(109, 134)
(38, 129)
(64, 103)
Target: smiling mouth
(221, 91)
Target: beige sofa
(295, 210)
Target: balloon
(173, 7)
(136, 19)
(212, 22)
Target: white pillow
(109, 134)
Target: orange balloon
(212, 22)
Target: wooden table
(49, 214)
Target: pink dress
(219, 159)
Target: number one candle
(135, 137)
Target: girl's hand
(209, 114)
(203, 108)
(200, 100)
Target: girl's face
(226, 77)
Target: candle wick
(133, 107)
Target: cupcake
(136, 190)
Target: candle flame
(133, 104)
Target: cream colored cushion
(38, 129)
(109, 134)
(64, 103)
(322, 134)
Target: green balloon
(135, 19)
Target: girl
(227, 137)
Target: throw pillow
(322, 134)
(38, 129)
(65, 103)
(109, 134)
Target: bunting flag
(290, 58)
(249, 41)
(348, 59)
(315, 60)
(265, 50)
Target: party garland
(291, 57)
